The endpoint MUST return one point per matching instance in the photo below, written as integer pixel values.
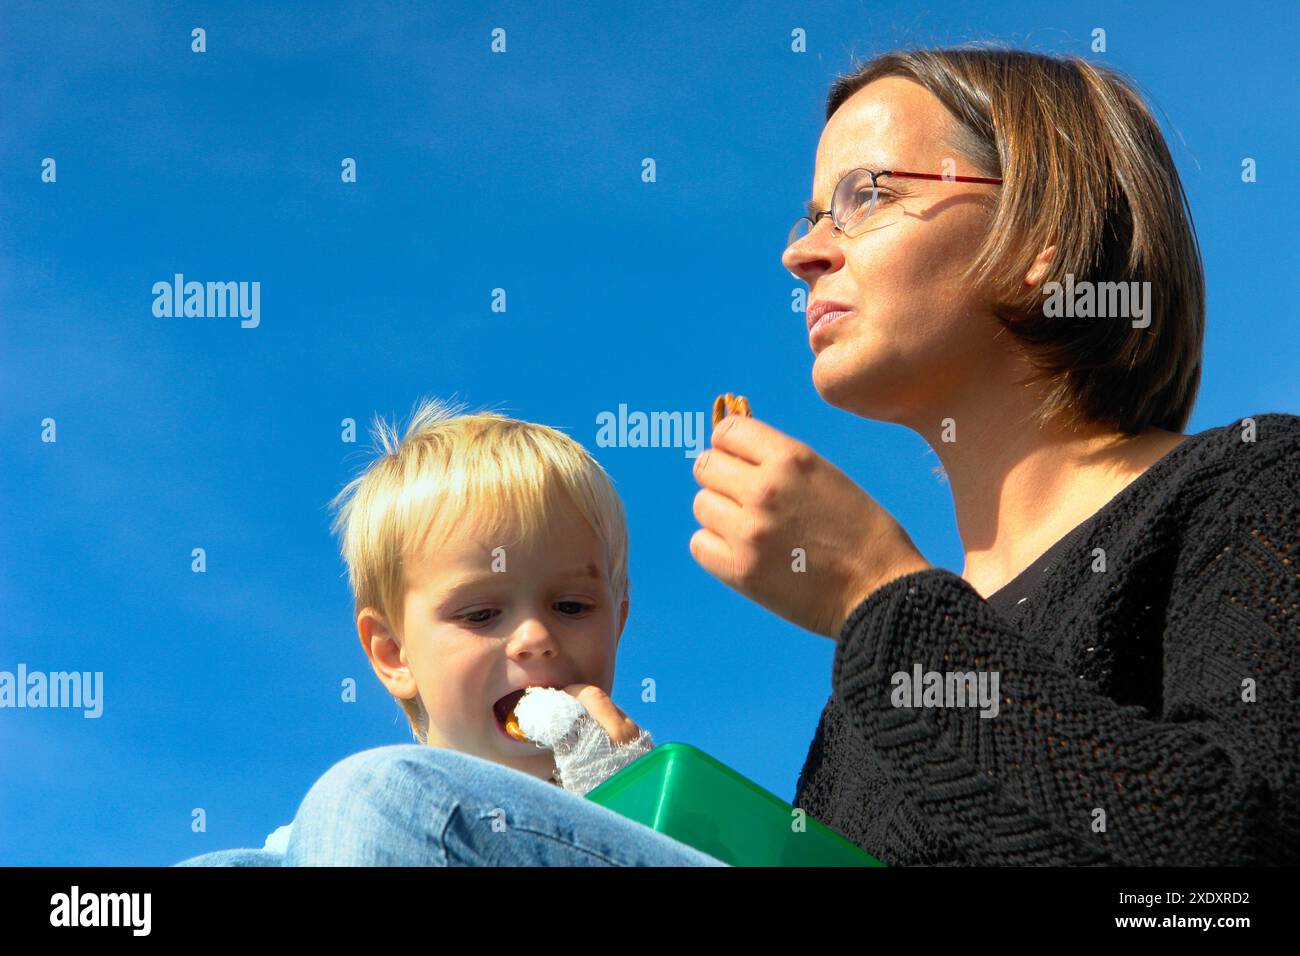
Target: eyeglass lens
(854, 199)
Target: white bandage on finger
(585, 756)
(590, 758)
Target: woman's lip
(828, 319)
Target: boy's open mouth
(506, 704)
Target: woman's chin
(838, 382)
(856, 387)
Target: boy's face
(473, 634)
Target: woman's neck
(1018, 489)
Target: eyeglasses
(854, 199)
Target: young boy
(487, 555)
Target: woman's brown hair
(1085, 168)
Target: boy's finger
(620, 728)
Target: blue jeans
(415, 805)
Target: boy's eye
(484, 615)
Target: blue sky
(475, 171)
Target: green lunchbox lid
(682, 792)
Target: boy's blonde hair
(456, 474)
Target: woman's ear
(1039, 268)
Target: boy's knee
(377, 763)
(378, 807)
(380, 773)
(240, 857)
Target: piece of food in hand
(729, 404)
(585, 756)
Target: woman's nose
(813, 254)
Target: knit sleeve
(1061, 774)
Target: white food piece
(547, 715)
(585, 756)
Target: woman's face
(918, 343)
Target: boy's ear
(387, 657)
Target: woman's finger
(711, 552)
(717, 513)
(726, 474)
(750, 439)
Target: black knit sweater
(1147, 712)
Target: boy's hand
(620, 728)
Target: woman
(1129, 592)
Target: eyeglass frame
(815, 216)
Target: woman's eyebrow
(812, 208)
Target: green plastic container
(682, 792)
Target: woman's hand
(789, 530)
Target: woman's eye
(572, 607)
(863, 199)
(476, 617)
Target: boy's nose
(533, 637)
